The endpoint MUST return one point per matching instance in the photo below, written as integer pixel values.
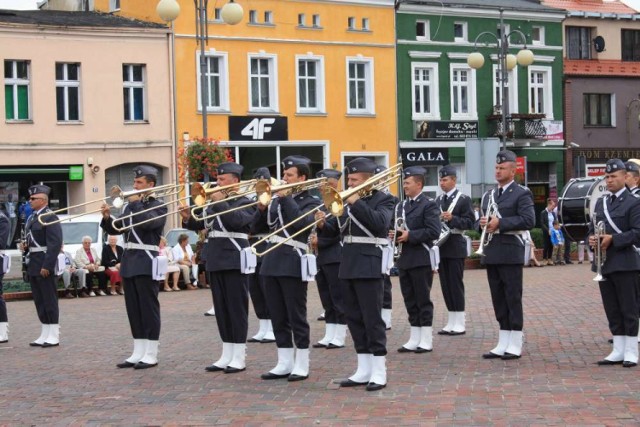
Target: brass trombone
(333, 201)
(116, 194)
(246, 188)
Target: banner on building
(424, 156)
(258, 128)
(452, 130)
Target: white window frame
(268, 17)
(130, 84)
(273, 82)
(223, 57)
(366, 26)
(472, 113)
(302, 20)
(15, 82)
(66, 84)
(507, 29)
(351, 23)
(612, 101)
(465, 32)
(253, 16)
(369, 88)
(114, 5)
(320, 85)
(540, 41)
(315, 21)
(217, 14)
(512, 85)
(547, 87)
(427, 30)
(434, 92)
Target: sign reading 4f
(257, 128)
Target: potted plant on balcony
(202, 156)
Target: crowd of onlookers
(79, 271)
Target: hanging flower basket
(202, 156)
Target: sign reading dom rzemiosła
(446, 129)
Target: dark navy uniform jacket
(463, 219)
(136, 262)
(220, 253)
(5, 229)
(517, 214)
(49, 237)
(625, 213)
(329, 247)
(361, 260)
(422, 219)
(284, 261)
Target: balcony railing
(519, 126)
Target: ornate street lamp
(506, 63)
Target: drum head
(577, 203)
(599, 188)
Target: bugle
(599, 231)
(485, 238)
(233, 191)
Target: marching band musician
(329, 252)
(282, 271)
(633, 176)
(5, 228)
(457, 214)
(229, 286)
(43, 244)
(505, 253)
(620, 213)
(136, 267)
(420, 227)
(387, 295)
(364, 227)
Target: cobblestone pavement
(555, 382)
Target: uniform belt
(34, 249)
(140, 246)
(456, 231)
(514, 232)
(228, 234)
(291, 242)
(378, 241)
(259, 236)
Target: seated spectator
(111, 257)
(172, 267)
(87, 258)
(183, 254)
(66, 268)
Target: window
(507, 30)
(365, 24)
(217, 14)
(316, 21)
(540, 96)
(263, 95)
(268, 17)
(216, 75)
(67, 92)
(253, 17)
(114, 5)
(578, 42)
(462, 92)
(17, 90)
(598, 109)
(302, 20)
(422, 30)
(510, 89)
(310, 76)
(631, 45)
(133, 77)
(460, 31)
(360, 86)
(351, 23)
(537, 35)
(425, 98)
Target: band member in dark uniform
(505, 252)
(281, 269)
(329, 252)
(5, 228)
(457, 215)
(136, 269)
(633, 176)
(387, 295)
(364, 227)
(43, 245)
(228, 235)
(256, 282)
(417, 226)
(620, 263)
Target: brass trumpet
(233, 191)
(599, 230)
(485, 238)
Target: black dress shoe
(491, 356)
(266, 341)
(232, 370)
(454, 333)
(569, 261)
(404, 349)
(251, 339)
(270, 376)
(351, 383)
(214, 368)
(319, 345)
(35, 344)
(321, 318)
(443, 332)
(295, 377)
(610, 341)
(605, 362)
(510, 356)
(423, 350)
(143, 365)
(375, 387)
(48, 344)
(4, 341)
(125, 364)
(628, 364)
(330, 346)
(209, 314)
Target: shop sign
(258, 128)
(451, 130)
(605, 154)
(424, 156)
(76, 173)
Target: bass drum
(577, 203)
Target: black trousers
(330, 292)
(102, 280)
(231, 301)
(620, 300)
(287, 302)
(415, 284)
(451, 272)
(257, 293)
(45, 297)
(386, 297)
(505, 282)
(547, 246)
(143, 307)
(3, 305)
(362, 310)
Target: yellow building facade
(314, 78)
